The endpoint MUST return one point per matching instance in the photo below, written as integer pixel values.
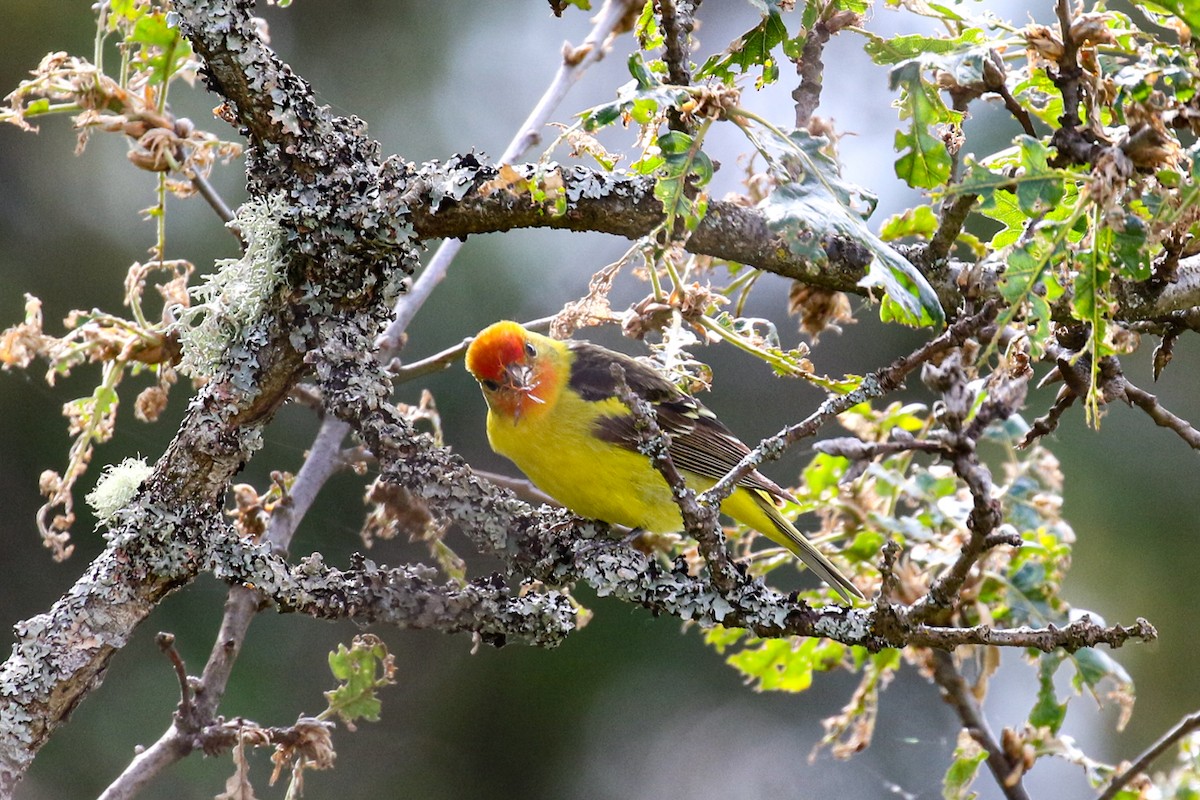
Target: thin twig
(700, 521)
(522, 488)
(430, 365)
(1017, 110)
(964, 425)
(210, 194)
(575, 62)
(958, 695)
(1161, 416)
(810, 69)
(241, 606)
(166, 643)
(1069, 72)
(677, 18)
(875, 385)
(954, 216)
(1189, 723)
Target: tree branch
(557, 548)
(875, 385)
(1189, 723)
(243, 604)
(325, 162)
(957, 694)
(811, 70)
(678, 19)
(699, 521)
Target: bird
(554, 411)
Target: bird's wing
(700, 442)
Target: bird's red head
(518, 371)
(495, 350)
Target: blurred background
(630, 707)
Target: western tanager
(553, 411)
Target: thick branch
(406, 596)
(324, 165)
(460, 198)
(556, 548)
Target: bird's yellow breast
(557, 449)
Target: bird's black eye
(530, 350)
(491, 386)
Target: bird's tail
(794, 540)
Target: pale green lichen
(231, 299)
(117, 486)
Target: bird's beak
(518, 378)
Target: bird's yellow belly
(593, 478)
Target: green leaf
(1027, 265)
(164, 48)
(104, 400)
(816, 206)
(119, 10)
(752, 49)
(910, 299)
(648, 33)
(685, 170)
(902, 48)
(1038, 95)
(1040, 187)
(1090, 283)
(362, 668)
(38, 106)
(1092, 666)
(786, 665)
(1047, 712)
(640, 99)
(987, 184)
(924, 162)
(1186, 10)
(968, 755)
(720, 638)
(920, 222)
(1027, 283)
(1127, 249)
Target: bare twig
(241, 606)
(1075, 373)
(522, 488)
(575, 62)
(964, 424)
(875, 385)
(166, 643)
(1016, 109)
(1189, 723)
(857, 450)
(1068, 68)
(957, 693)
(954, 216)
(210, 195)
(811, 70)
(1161, 416)
(1048, 422)
(430, 365)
